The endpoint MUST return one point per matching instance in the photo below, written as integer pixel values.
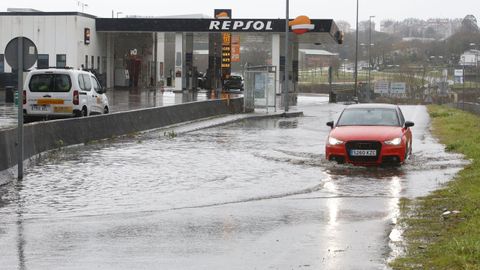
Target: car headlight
(396, 141)
(333, 141)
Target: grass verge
(435, 241)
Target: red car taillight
(24, 97)
(76, 98)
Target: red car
(370, 135)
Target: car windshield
(369, 117)
(50, 83)
(235, 78)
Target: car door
(97, 91)
(87, 90)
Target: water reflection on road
(132, 99)
(255, 194)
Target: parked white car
(59, 93)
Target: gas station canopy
(324, 31)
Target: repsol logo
(229, 25)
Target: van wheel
(105, 110)
(84, 112)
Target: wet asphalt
(256, 194)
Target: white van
(59, 93)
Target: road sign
(458, 78)
(21, 54)
(381, 87)
(30, 53)
(398, 88)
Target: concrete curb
(225, 120)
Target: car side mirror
(103, 90)
(409, 124)
(330, 124)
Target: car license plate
(363, 153)
(62, 109)
(40, 108)
(50, 101)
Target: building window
(104, 64)
(98, 64)
(2, 63)
(61, 60)
(42, 61)
(86, 62)
(93, 62)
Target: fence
(466, 106)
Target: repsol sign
(206, 25)
(241, 25)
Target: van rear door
(50, 93)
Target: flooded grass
(443, 229)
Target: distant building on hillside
(364, 26)
(470, 58)
(435, 28)
(317, 58)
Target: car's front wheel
(408, 150)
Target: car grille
(364, 145)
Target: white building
(59, 37)
(470, 58)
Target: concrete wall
(62, 34)
(44, 136)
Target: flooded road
(8, 115)
(251, 195)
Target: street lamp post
(369, 58)
(463, 81)
(476, 65)
(356, 55)
(287, 30)
(83, 5)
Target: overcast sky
(318, 9)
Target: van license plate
(363, 153)
(63, 109)
(40, 108)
